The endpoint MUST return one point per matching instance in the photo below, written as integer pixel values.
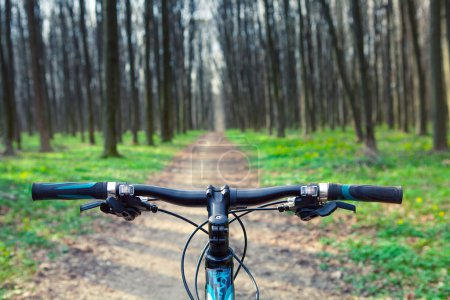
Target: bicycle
(129, 200)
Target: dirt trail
(141, 259)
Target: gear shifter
(126, 206)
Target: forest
(170, 66)
(347, 91)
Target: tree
(7, 73)
(148, 72)
(167, 109)
(26, 74)
(191, 33)
(422, 110)
(87, 73)
(369, 137)
(77, 92)
(35, 45)
(304, 106)
(387, 68)
(340, 60)
(292, 93)
(439, 105)
(275, 65)
(134, 92)
(111, 76)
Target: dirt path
(141, 259)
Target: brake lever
(127, 207)
(306, 214)
(90, 205)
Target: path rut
(141, 259)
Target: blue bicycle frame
(219, 284)
(219, 258)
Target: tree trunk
(12, 73)
(26, 75)
(389, 109)
(148, 72)
(99, 43)
(406, 99)
(305, 78)
(340, 59)
(369, 137)
(167, 119)
(35, 41)
(8, 91)
(191, 56)
(111, 76)
(439, 104)
(87, 73)
(274, 58)
(135, 123)
(76, 62)
(421, 109)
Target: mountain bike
(306, 201)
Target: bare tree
(275, 65)
(148, 72)
(7, 71)
(369, 137)
(87, 73)
(35, 44)
(111, 76)
(167, 109)
(440, 115)
(133, 88)
(340, 59)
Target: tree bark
(304, 105)
(439, 105)
(35, 42)
(191, 34)
(8, 91)
(148, 72)
(167, 119)
(404, 70)
(274, 58)
(389, 109)
(111, 76)
(87, 73)
(76, 62)
(135, 122)
(421, 109)
(369, 137)
(340, 59)
(26, 75)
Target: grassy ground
(28, 226)
(396, 250)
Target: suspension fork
(219, 258)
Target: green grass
(27, 226)
(404, 249)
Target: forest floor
(141, 259)
(47, 251)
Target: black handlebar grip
(368, 193)
(69, 190)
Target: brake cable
(183, 254)
(244, 252)
(181, 218)
(249, 210)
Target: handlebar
(366, 193)
(238, 197)
(69, 190)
